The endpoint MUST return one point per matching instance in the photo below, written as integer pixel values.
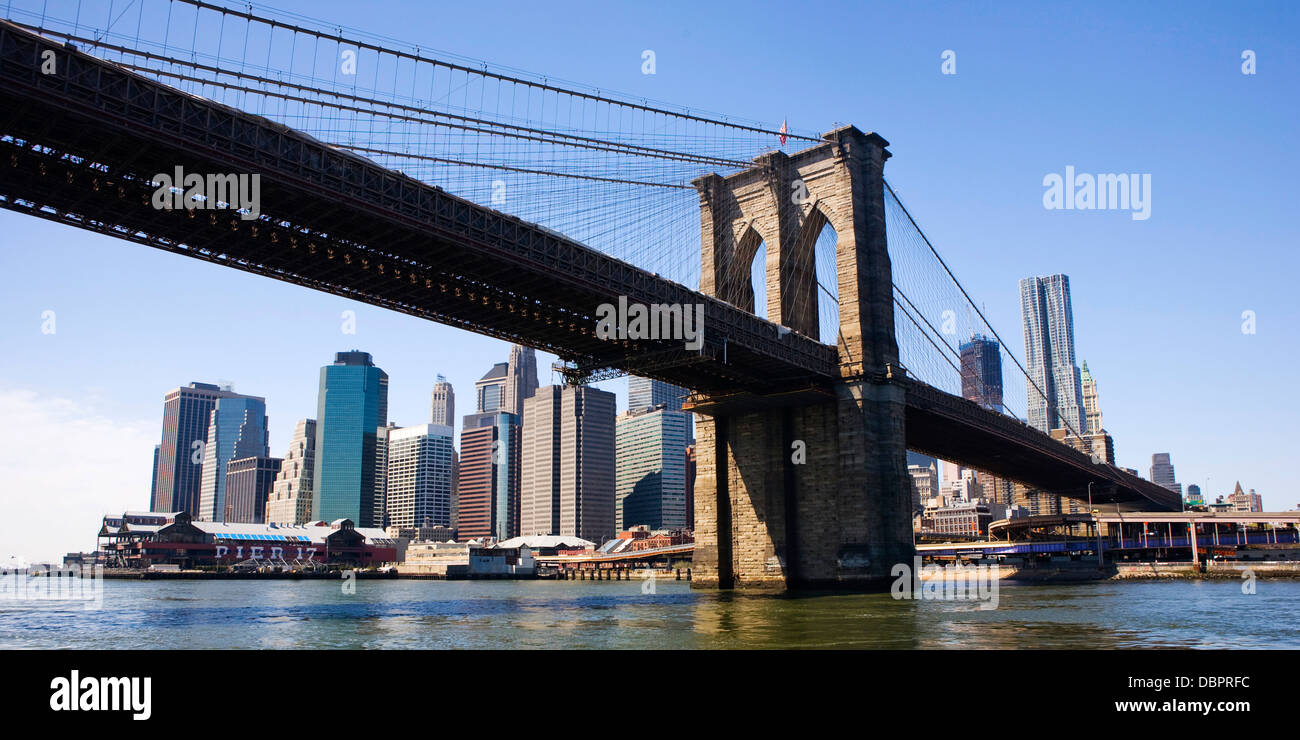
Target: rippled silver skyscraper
(1054, 388)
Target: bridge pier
(806, 489)
(812, 496)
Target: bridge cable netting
(611, 170)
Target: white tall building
(419, 476)
(290, 501)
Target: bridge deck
(962, 431)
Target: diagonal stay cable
(971, 302)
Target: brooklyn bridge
(515, 206)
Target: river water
(584, 614)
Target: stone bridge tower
(840, 515)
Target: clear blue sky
(1106, 87)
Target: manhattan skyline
(1158, 304)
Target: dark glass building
(981, 372)
(351, 406)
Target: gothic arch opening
(756, 290)
(828, 284)
(745, 285)
(812, 281)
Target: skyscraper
(1053, 386)
(380, 506)
(981, 372)
(488, 482)
(568, 456)
(442, 403)
(1091, 403)
(455, 488)
(650, 472)
(490, 390)
(1162, 472)
(248, 482)
(237, 428)
(351, 406)
(1194, 497)
(521, 379)
(153, 479)
(644, 393)
(419, 476)
(187, 414)
(539, 465)
(291, 492)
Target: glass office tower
(237, 429)
(351, 406)
(981, 372)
